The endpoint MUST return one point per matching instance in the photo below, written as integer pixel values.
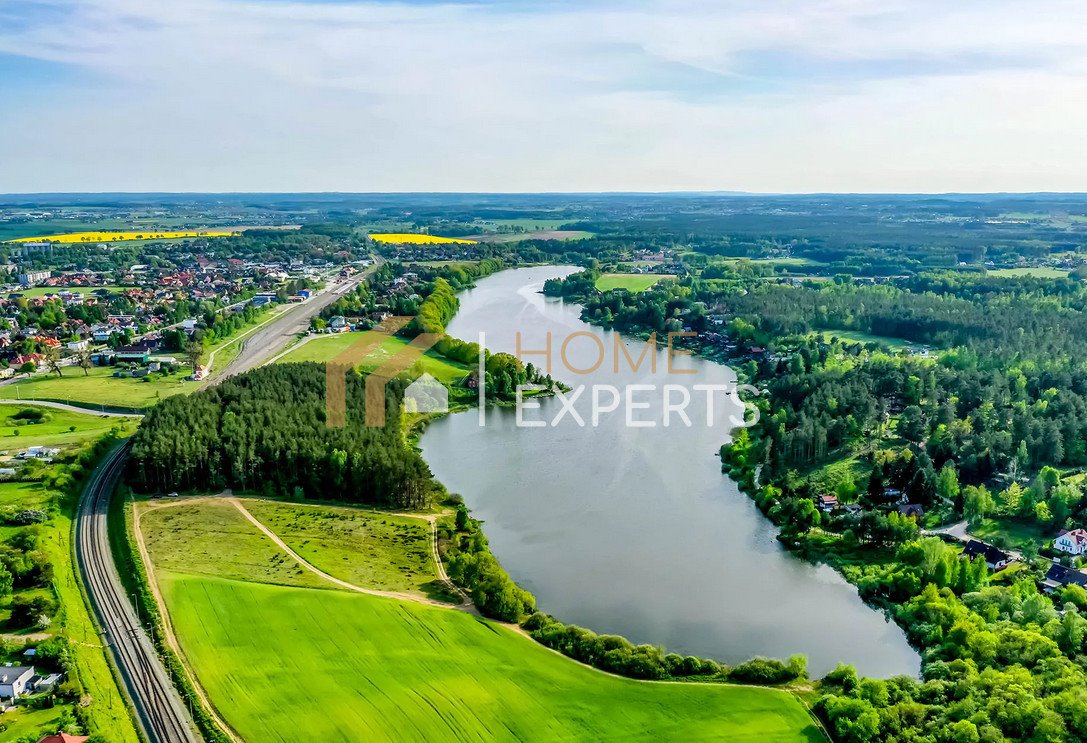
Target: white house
(81, 345)
(14, 681)
(1073, 542)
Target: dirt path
(401, 595)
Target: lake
(633, 529)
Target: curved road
(160, 710)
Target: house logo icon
(426, 395)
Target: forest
(265, 432)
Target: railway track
(160, 711)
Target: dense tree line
(266, 431)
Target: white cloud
(833, 95)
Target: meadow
(371, 549)
(57, 427)
(373, 668)
(213, 538)
(324, 348)
(409, 238)
(119, 236)
(99, 387)
(855, 336)
(634, 283)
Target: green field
(530, 223)
(366, 548)
(1038, 272)
(99, 388)
(54, 430)
(1012, 534)
(856, 336)
(214, 538)
(295, 664)
(41, 291)
(324, 348)
(25, 721)
(632, 282)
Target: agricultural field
(442, 673)
(371, 549)
(23, 426)
(1038, 272)
(99, 387)
(324, 348)
(635, 283)
(511, 237)
(119, 236)
(408, 238)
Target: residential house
(827, 503)
(81, 345)
(996, 559)
(15, 681)
(1073, 542)
(913, 510)
(1059, 576)
(64, 738)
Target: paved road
(262, 345)
(160, 711)
(86, 409)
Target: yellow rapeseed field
(107, 237)
(413, 239)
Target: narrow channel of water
(635, 530)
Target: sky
(782, 96)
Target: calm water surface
(635, 531)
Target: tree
(52, 358)
(83, 358)
(28, 368)
(947, 484)
(194, 349)
(911, 424)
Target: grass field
(408, 238)
(54, 430)
(367, 548)
(856, 336)
(119, 236)
(99, 388)
(634, 283)
(214, 538)
(1011, 534)
(25, 721)
(295, 664)
(324, 348)
(41, 291)
(1038, 272)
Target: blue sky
(778, 95)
